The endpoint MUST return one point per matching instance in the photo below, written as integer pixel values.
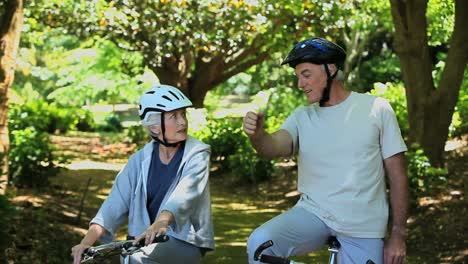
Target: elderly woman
(163, 189)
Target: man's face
(312, 79)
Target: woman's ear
(155, 129)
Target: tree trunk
(10, 28)
(430, 109)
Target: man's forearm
(398, 180)
(399, 205)
(264, 145)
(278, 144)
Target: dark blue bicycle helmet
(318, 51)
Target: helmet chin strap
(169, 145)
(326, 91)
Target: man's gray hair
(339, 76)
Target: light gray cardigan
(188, 197)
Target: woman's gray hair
(154, 119)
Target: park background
(71, 73)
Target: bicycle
(123, 248)
(333, 247)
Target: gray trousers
(173, 251)
(299, 232)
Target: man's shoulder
(375, 102)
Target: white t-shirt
(341, 149)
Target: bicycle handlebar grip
(262, 247)
(158, 239)
(274, 260)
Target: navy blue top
(160, 178)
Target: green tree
(430, 105)
(194, 45)
(11, 18)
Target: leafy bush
(45, 117)
(395, 94)
(112, 123)
(424, 179)
(459, 126)
(85, 121)
(283, 101)
(30, 158)
(137, 135)
(231, 149)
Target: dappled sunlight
(88, 164)
(33, 200)
(233, 244)
(101, 197)
(70, 214)
(74, 229)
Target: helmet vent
(167, 98)
(160, 105)
(150, 92)
(182, 95)
(174, 95)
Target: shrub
(137, 135)
(396, 96)
(112, 123)
(423, 178)
(30, 158)
(459, 126)
(44, 117)
(231, 149)
(85, 121)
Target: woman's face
(176, 126)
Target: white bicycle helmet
(162, 98)
(158, 100)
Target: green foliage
(383, 67)
(424, 179)
(395, 94)
(459, 126)
(282, 103)
(73, 72)
(441, 20)
(231, 149)
(137, 135)
(30, 158)
(112, 123)
(48, 117)
(85, 121)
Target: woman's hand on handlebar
(158, 228)
(77, 252)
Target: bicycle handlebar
(118, 247)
